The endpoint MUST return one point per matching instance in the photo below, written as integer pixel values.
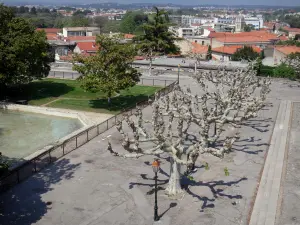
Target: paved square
(89, 186)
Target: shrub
(4, 166)
(266, 71)
(284, 71)
(246, 53)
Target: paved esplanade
(89, 186)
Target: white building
(257, 22)
(80, 31)
(184, 32)
(224, 20)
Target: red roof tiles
(88, 46)
(199, 49)
(51, 37)
(287, 49)
(232, 49)
(253, 36)
(129, 36)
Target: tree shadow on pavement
(160, 183)
(213, 186)
(260, 125)
(23, 204)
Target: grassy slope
(72, 96)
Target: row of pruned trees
(211, 116)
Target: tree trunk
(174, 186)
(109, 102)
(150, 68)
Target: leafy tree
(292, 20)
(110, 69)
(209, 53)
(78, 13)
(100, 22)
(33, 11)
(248, 28)
(75, 21)
(22, 9)
(111, 26)
(156, 38)
(24, 53)
(297, 37)
(245, 53)
(132, 21)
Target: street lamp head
(155, 165)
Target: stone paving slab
(266, 203)
(288, 213)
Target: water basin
(23, 133)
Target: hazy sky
(186, 2)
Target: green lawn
(68, 94)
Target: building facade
(80, 31)
(256, 22)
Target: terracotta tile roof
(196, 24)
(249, 38)
(88, 46)
(139, 57)
(287, 49)
(232, 49)
(81, 38)
(129, 36)
(217, 34)
(292, 29)
(253, 36)
(50, 30)
(51, 37)
(200, 49)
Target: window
(202, 42)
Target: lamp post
(178, 73)
(155, 166)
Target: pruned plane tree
(212, 116)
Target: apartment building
(80, 31)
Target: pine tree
(157, 39)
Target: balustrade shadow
(23, 204)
